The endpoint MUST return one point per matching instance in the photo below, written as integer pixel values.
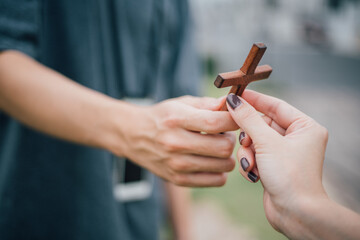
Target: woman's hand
(169, 139)
(284, 148)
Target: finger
(244, 139)
(246, 159)
(254, 175)
(207, 103)
(222, 101)
(210, 145)
(211, 122)
(281, 112)
(247, 163)
(274, 125)
(252, 147)
(200, 179)
(248, 119)
(193, 163)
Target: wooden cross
(248, 73)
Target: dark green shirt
(52, 189)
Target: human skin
(285, 149)
(166, 138)
(179, 204)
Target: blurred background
(314, 49)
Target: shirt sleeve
(19, 25)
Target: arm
(179, 201)
(49, 102)
(320, 218)
(165, 138)
(285, 149)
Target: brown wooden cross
(248, 73)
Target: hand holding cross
(248, 73)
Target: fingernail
(233, 100)
(241, 137)
(244, 163)
(252, 176)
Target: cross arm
(240, 78)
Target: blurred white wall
(226, 27)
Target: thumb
(206, 103)
(248, 119)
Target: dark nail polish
(241, 137)
(244, 163)
(252, 176)
(233, 100)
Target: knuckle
(172, 146)
(227, 151)
(211, 123)
(228, 147)
(277, 106)
(180, 180)
(179, 165)
(206, 99)
(169, 143)
(186, 98)
(280, 104)
(171, 120)
(248, 113)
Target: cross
(249, 72)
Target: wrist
(127, 123)
(112, 135)
(296, 219)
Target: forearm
(321, 218)
(51, 103)
(179, 203)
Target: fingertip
(247, 118)
(244, 139)
(222, 98)
(246, 159)
(212, 104)
(253, 177)
(244, 163)
(232, 164)
(221, 104)
(222, 179)
(247, 164)
(250, 176)
(233, 101)
(241, 137)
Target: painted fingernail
(252, 176)
(241, 137)
(233, 100)
(244, 163)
